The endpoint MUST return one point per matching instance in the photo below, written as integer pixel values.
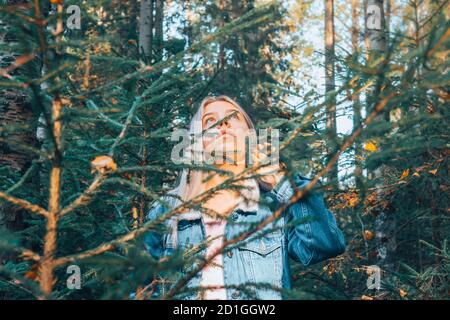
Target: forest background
(90, 92)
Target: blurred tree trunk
(159, 36)
(146, 30)
(330, 88)
(388, 17)
(133, 25)
(375, 28)
(188, 30)
(356, 101)
(375, 23)
(221, 62)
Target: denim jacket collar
(249, 202)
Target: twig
(130, 117)
(46, 277)
(24, 204)
(85, 197)
(24, 178)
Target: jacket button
(234, 216)
(235, 294)
(229, 254)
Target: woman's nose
(224, 123)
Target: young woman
(256, 267)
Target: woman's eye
(209, 121)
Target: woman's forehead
(219, 106)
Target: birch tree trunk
(330, 87)
(375, 28)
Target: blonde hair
(191, 181)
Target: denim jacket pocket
(262, 246)
(262, 260)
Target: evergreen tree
(108, 97)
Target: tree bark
(159, 22)
(330, 95)
(146, 29)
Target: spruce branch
(24, 204)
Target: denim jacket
(306, 232)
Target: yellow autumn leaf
(415, 174)
(433, 172)
(364, 297)
(404, 175)
(370, 146)
(103, 164)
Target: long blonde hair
(191, 182)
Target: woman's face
(226, 138)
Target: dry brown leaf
(368, 235)
(103, 164)
(33, 273)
